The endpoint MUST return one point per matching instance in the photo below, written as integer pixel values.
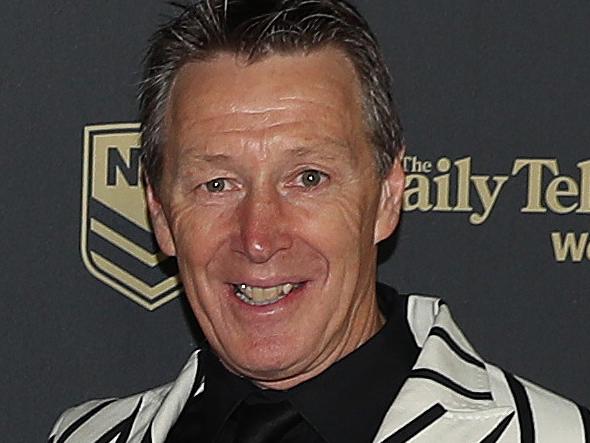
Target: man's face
(271, 201)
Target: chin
(270, 361)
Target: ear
(160, 222)
(390, 201)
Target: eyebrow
(212, 158)
(337, 149)
(195, 160)
(302, 151)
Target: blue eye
(311, 178)
(215, 185)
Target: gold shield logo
(117, 244)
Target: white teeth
(263, 296)
(259, 294)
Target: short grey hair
(254, 29)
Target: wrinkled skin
(237, 204)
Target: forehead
(319, 91)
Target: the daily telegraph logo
(446, 185)
(117, 243)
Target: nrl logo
(117, 244)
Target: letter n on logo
(117, 244)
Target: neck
(357, 334)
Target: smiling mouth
(257, 296)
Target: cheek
(198, 231)
(338, 226)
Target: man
(272, 159)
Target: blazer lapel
(188, 382)
(447, 397)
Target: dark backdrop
(495, 82)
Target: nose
(262, 226)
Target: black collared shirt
(345, 403)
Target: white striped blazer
(451, 396)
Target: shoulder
(105, 419)
(145, 416)
(539, 414)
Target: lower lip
(293, 296)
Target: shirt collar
(224, 392)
